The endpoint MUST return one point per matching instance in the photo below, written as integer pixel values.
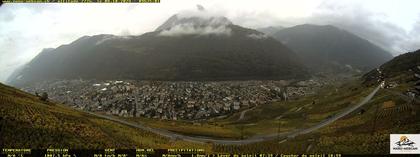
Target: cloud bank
(258, 36)
(367, 24)
(192, 29)
(113, 37)
(197, 22)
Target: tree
(44, 96)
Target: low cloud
(371, 23)
(372, 26)
(192, 29)
(412, 42)
(257, 36)
(112, 37)
(198, 22)
(363, 23)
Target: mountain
(28, 122)
(330, 48)
(183, 48)
(401, 68)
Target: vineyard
(27, 122)
(395, 111)
(358, 133)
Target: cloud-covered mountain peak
(199, 22)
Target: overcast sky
(25, 29)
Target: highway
(284, 135)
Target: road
(254, 139)
(244, 112)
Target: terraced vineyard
(358, 133)
(27, 122)
(395, 111)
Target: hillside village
(171, 100)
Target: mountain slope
(331, 48)
(183, 48)
(401, 68)
(401, 64)
(27, 122)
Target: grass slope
(27, 122)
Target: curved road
(242, 116)
(254, 139)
